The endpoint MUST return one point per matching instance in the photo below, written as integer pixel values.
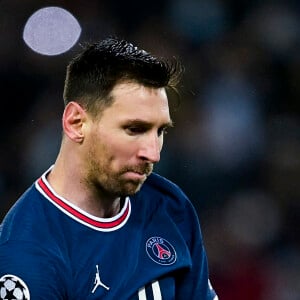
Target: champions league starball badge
(160, 251)
(13, 287)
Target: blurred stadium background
(235, 149)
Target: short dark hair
(93, 73)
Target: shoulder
(167, 195)
(164, 186)
(19, 222)
(27, 232)
(161, 197)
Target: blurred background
(235, 148)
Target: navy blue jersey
(153, 249)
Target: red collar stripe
(65, 206)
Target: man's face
(125, 142)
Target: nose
(150, 148)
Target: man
(99, 224)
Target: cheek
(123, 151)
(119, 150)
(113, 147)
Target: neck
(93, 201)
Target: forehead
(133, 100)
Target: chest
(139, 261)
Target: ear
(74, 117)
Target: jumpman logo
(98, 282)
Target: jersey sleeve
(194, 282)
(28, 269)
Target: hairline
(102, 103)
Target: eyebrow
(149, 124)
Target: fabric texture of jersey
(153, 249)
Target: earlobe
(73, 119)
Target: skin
(109, 157)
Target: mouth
(138, 173)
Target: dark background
(235, 148)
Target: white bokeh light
(51, 31)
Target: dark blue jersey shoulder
(160, 196)
(160, 187)
(167, 195)
(164, 186)
(18, 221)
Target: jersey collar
(79, 215)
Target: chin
(132, 189)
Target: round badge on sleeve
(161, 251)
(13, 287)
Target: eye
(135, 130)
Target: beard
(104, 180)
(132, 186)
